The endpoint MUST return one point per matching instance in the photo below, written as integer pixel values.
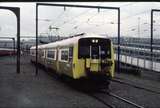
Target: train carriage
(7, 52)
(80, 56)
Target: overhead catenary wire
(94, 16)
(65, 22)
(60, 15)
(71, 19)
(57, 18)
(81, 23)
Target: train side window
(84, 52)
(70, 54)
(43, 53)
(64, 55)
(33, 52)
(39, 53)
(51, 54)
(105, 52)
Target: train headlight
(94, 40)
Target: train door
(100, 53)
(95, 58)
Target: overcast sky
(134, 15)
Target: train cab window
(84, 52)
(94, 48)
(64, 55)
(105, 52)
(51, 54)
(95, 52)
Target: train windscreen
(94, 48)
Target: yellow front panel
(94, 65)
(78, 64)
(88, 62)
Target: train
(7, 52)
(82, 56)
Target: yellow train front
(84, 56)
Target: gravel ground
(26, 90)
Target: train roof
(69, 41)
(7, 49)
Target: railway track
(103, 96)
(125, 100)
(95, 96)
(102, 101)
(118, 80)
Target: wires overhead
(60, 16)
(131, 16)
(72, 20)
